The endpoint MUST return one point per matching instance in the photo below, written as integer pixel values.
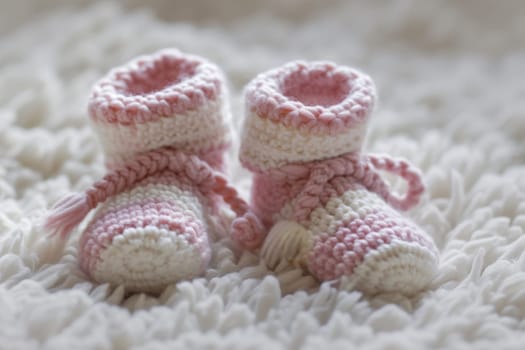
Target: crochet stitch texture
(326, 207)
(161, 123)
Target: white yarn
(286, 242)
(142, 259)
(273, 145)
(404, 267)
(203, 127)
(150, 255)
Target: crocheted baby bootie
(326, 206)
(161, 123)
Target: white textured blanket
(451, 82)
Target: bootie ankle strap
(71, 210)
(354, 168)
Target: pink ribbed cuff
(304, 111)
(318, 97)
(152, 87)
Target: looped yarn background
(452, 100)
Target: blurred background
(432, 56)
(437, 64)
(497, 22)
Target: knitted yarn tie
(363, 169)
(72, 209)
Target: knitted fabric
(160, 120)
(323, 201)
(165, 99)
(303, 112)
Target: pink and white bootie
(161, 123)
(325, 205)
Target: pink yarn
(155, 86)
(408, 172)
(168, 215)
(248, 231)
(354, 168)
(69, 212)
(319, 97)
(338, 254)
(309, 186)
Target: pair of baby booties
(317, 200)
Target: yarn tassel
(66, 215)
(286, 241)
